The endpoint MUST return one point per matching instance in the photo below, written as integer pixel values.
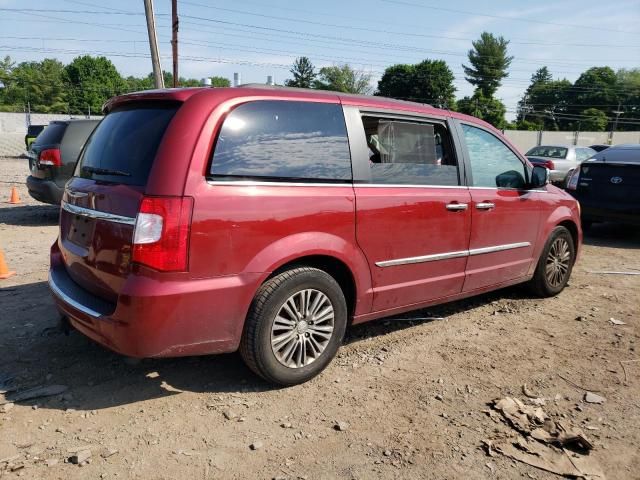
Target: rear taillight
(572, 183)
(50, 156)
(161, 236)
(548, 164)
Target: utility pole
(174, 40)
(617, 112)
(153, 44)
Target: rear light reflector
(50, 156)
(161, 236)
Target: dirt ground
(412, 396)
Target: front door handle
(485, 205)
(456, 207)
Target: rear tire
(295, 326)
(555, 264)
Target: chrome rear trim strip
(449, 255)
(67, 299)
(98, 215)
(498, 248)
(424, 258)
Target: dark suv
(53, 158)
(205, 220)
(608, 186)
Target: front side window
(275, 140)
(493, 164)
(410, 153)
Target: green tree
(594, 120)
(489, 109)
(546, 101)
(629, 88)
(92, 81)
(39, 84)
(430, 81)
(304, 73)
(489, 63)
(220, 82)
(343, 79)
(596, 87)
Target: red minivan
(268, 219)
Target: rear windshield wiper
(105, 171)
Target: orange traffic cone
(4, 270)
(15, 198)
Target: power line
(259, 27)
(504, 17)
(507, 81)
(378, 31)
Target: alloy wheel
(558, 262)
(302, 328)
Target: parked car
(559, 159)
(53, 158)
(608, 186)
(203, 221)
(599, 147)
(32, 132)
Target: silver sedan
(559, 159)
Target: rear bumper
(46, 191)
(608, 214)
(155, 318)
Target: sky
(258, 39)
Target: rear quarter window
(126, 140)
(74, 139)
(52, 134)
(275, 140)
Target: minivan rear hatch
(102, 200)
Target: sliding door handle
(485, 205)
(456, 207)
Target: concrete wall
(13, 128)
(524, 140)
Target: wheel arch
(339, 257)
(335, 267)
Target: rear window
(126, 141)
(34, 129)
(626, 155)
(52, 134)
(275, 140)
(550, 152)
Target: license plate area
(81, 231)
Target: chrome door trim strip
(423, 259)
(67, 299)
(256, 183)
(401, 185)
(449, 255)
(498, 248)
(96, 214)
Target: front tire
(555, 264)
(295, 326)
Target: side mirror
(510, 179)
(539, 177)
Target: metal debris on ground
(615, 321)
(607, 272)
(552, 445)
